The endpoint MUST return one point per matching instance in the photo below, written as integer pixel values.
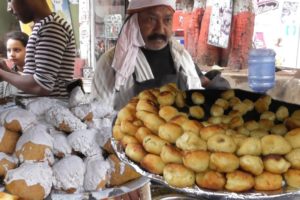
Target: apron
(121, 100)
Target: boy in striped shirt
(50, 52)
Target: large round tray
(210, 96)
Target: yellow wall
(27, 28)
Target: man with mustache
(145, 56)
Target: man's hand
(3, 66)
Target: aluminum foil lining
(285, 194)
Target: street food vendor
(146, 56)
(50, 53)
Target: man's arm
(204, 80)
(4, 66)
(25, 83)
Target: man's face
(156, 26)
(21, 9)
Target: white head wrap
(130, 40)
(135, 5)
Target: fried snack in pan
(215, 120)
(198, 98)
(132, 104)
(146, 105)
(239, 181)
(198, 161)
(250, 146)
(128, 139)
(268, 115)
(241, 107)
(170, 87)
(147, 95)
(252, 125)
(126, 113)
(296, 114)
(275, 164)
(211, 180)
(141, 133)
(135, 152)
(179, 119)
(268, 181)
(275, 144)
(226, 119)
(228, 94)
(224, 162)
(252, 164)
(180, 99)
(247, 130)
(192, 126)
(262, 104)
(236, 122)
(221, 143)
(216, 110)
(152, 121)
(153, 144)
(293, 158)
(129, 127)
(196, 112)
(178, 176)
(266, 124)
(234, 101)
(170, 132)
(166, 98)
(171, 154)
(168, 112)
(292, 123)
(243, 131)
(207, 132)
(222, 103)
(292, 178)
(239, 139)
(153, 163)
(249, 104)
(279, 129)
(189, 141)
(117, 133)
(293, 137)
(259, 133)
(282, 113)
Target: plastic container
(261, 69)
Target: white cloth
(129, 42)
(131, 39)
(140, 4)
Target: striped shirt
(50, 54)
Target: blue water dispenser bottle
(261, 69)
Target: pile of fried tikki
(219, 150)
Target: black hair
(18, 35)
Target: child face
(16, 52)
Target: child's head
(16, 42)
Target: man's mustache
(157, 37)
